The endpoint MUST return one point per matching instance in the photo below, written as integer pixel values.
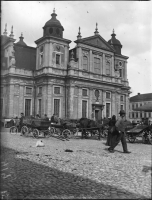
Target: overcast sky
(131, 20)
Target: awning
(146, 108)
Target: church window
(136, 115)
(56, 90)
(107, 95)
(97, 65)
(121, 107)
(57, 107)
(85, 63)
(132, 115)
(51, 30)
(84, 92)
(120, 72)
(57, 31)
(140, 114)
(58, 59)
(40, 90)
(28, 107)
(84, 108)
(121, 98)
(107, 109)
(28, 90)
(107, 69)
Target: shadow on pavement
(29, 180)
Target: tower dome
(115, 43)
(53, 27)
(21, 42)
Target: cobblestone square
(89, 171)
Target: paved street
(88, 171)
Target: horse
(85, 123)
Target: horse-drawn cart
(35, 127)
(143, 131)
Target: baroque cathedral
(89, 80)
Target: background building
(138, 101)
(90, 80)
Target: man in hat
(120, 129)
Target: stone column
(37, 58)
(46, 55)
(11, 101)
(66, 56)
(50, 108)
(79, 57)
(127, 106)
(80, 103)
(71, 94)
(21, 99)
(103, 64)
(89, 103)
(112, 66)
(125, 73)
(113, 102)
(104, 102)
(50, 54)
(90, 62)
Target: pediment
(97, 41)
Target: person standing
(120, 128)
(21, 122)
(46, 117)
(111, 130)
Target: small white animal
(39, 143)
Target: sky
(131, 21)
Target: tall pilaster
(79, 103)
(125, 68)
(66, 56)
(50, 54)
(90, 61)
(71, 94)
(127, 106)
(104, 102)
(11, 100)
(80, 60)
(113, 109)
(112, 66)
(103, 64)
(50, 99)
(46, 55)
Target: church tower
(52, 48)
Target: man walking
(120, 128)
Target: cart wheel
(52, 131)
(24, 131)
(66, 133)
(104, 133)
(131, 138)
(13, 130)
(150, 138)
(35, 133)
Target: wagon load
(36, 123)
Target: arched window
(97, 65)
(85, 63)
(41, 55)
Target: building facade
(89, 80)
(138, 101)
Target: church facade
(89, 80)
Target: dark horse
(86, 124)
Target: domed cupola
(115, 43)
(53, 27)
(21, 42)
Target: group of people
(116, 133)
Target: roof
(25, 57)
(96, 41)
(141, 97)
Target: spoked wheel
(66, 133)
(52, 131)
(35, 133)
(131, 138)
(104, 133)
(24, 131)
(13, 130)
(150, 138)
